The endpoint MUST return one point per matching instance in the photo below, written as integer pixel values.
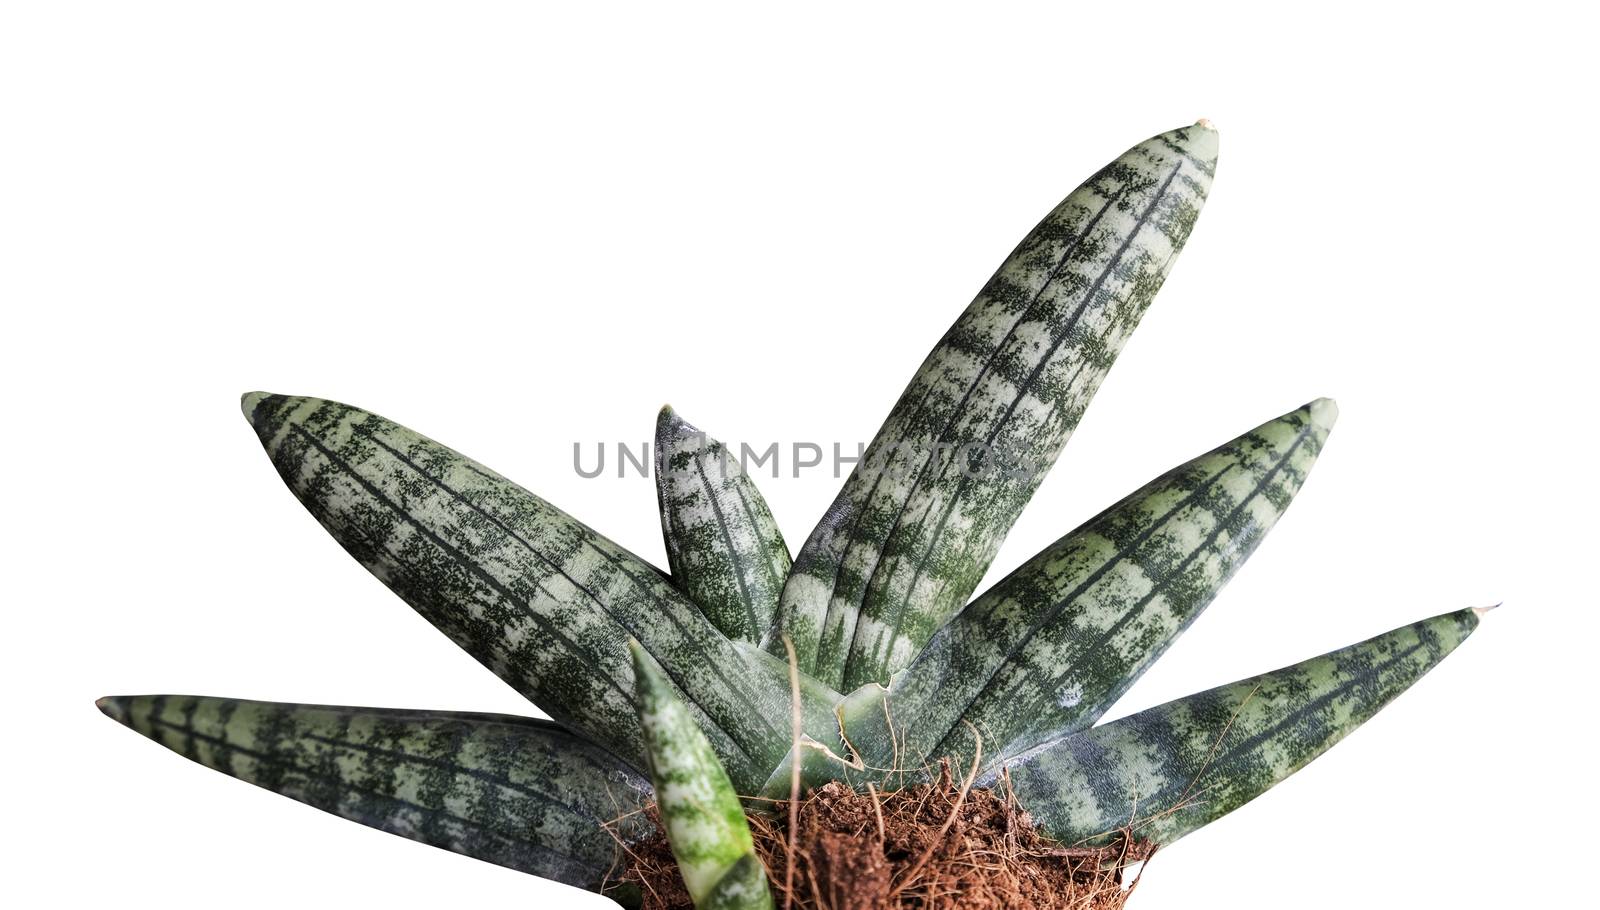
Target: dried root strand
(938, 846)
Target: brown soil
(937, 846)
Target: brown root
(938, 846)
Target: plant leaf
(824, 759)
(700, 810)
(1172, 769)
(513, 791)
(1048, 650)
(743, 887)
(911, 533)
(536, 596)
(724, 549)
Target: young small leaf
(723, 547)
(700, 810)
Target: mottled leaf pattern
(723, 547)
(543, 601)
(514, 791)
(699, 808)
(873, 604)
(1174, 768)
(743, 887)
(918, 522)
(1047, 650)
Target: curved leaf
(1048, 650)
(919, 520)
(1174, 768)
(723, 547)
(513, 791)
(539, 598)
(699, 808)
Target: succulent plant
(867, 661)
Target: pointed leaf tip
(1479, 611)
(248, 402)
(1200, 140)
(1324, 412)
(114, 707)
(637, 651)
(670, 426)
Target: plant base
(931, 847)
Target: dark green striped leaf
(700, 810)
(723, 547)
(918, 522)
(1047, 650)
(1172, 769)
(542, 600)
(514, 791)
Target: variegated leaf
(1047, 650)
(699, 808)
(919, 520)
(723, 547)
(743, 887)
(514, 791)
(536, 596)
(1165, 772)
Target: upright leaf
(542, 600)
(919, 520)
(724, 549)
(1047, 650)
(1172, 769)
(700, 810)
(514, 791)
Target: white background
(514, 228)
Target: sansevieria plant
(694, 704)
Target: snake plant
(675, 691)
